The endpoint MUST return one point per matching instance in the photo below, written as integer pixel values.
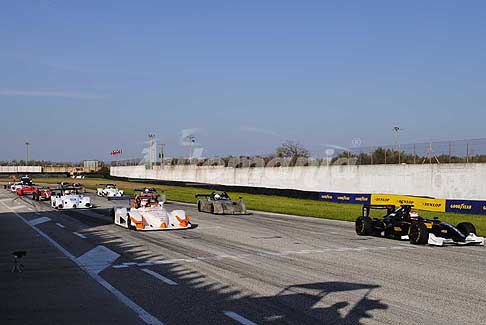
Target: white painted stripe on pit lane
(38, 221)
(240, 319)
(160, 277)
(5, 200)
(97, 259)
(60, 225)
(18, 207)
(80, 235)
(142, 313)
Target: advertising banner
(466, 206)
(345, 198)
(420, 203)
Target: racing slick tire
(199, 206)
(419, 234)
(466, 228)
(112, 215)
(129, 224)
(364, 226)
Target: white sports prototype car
(146, 213)
(15, 186)
(70, 198)
(109, 190)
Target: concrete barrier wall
(451, 181)
(20, 169)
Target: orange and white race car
(147, 213)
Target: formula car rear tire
(466, 228)
(112, 215)
(364, 226)
(199, 206)
(419, 234)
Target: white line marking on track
(142, 313)
(160, 277)
(38, 221)
(98, 259)
(18, 207)
(80, 235)
(5, 200)
(240, 319)
(60, 225)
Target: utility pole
(27, 144)
(397, 132)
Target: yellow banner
(419, 203)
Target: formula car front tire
(466, 228)
(419, 234)
(199, 206)
(364, 226)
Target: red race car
(41, 193)
(25, 189)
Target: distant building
(92, 165)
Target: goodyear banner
(345, 198)
(420, 203)
(466, 206)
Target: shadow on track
(198, 297)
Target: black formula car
(404, 224)
(220, 203)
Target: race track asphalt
(254, 269)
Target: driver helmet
(217, 196)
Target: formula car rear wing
(368, 207)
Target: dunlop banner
(420, 203)
(345, 198)
(466, 206)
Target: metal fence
(444, 152)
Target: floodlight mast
(397, 134)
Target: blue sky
(80, 78)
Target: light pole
(152, 149)
(191, 140)
(27, 144)
(161, 153)
(397, 132)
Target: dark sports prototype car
(404, 224)
(220, 203)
